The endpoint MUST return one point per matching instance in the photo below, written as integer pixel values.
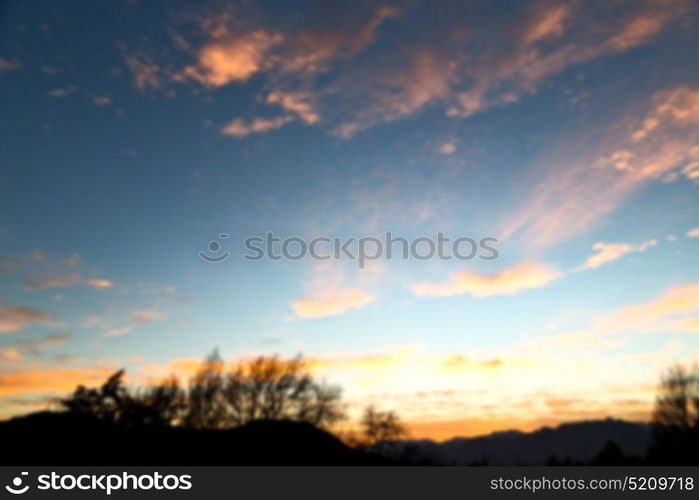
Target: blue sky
(133, 133)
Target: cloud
(447, 148)
(313, 48)
(690, 325)
(99, 283)
(101, 100)
(232, 58)
(65, 281)
(18, 351)
(11, 355)
(147, 74)
(239, 128)
(299, 103)
(657, 143)
(673, 310)
(137, 318)
(693, 233)
(331, 302)
(609, 252)
(502, 77)
(57, 381)
(547, 24)
(62, 92)
(402, 90)
(6, 65)
(523, 276)
(682, 300)
(14, 318)
(322, 66)
(639, 30)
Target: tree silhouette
(107, 402)
(381, 428)
(206, 407)
(266, 388)
(269, 388)
(676, 417)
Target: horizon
(144, 145)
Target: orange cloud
(523, 276)
(298, 103)
(68, 280)
(547, 24)
(239, 128)
(332, 302)
(680, 300)
(674, 310)
(99, 283)
(693, 233)
(14, 318)
(232, 59)
(639, 30)
(57, 381)
(10, 355)
(609, 252)
(447, 148)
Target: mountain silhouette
(578, 442)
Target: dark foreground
(77, 439)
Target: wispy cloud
(65, 281)
(17, 351)
(146, 73)
(7, 65)
(101, 100)
(656, 144)
(331, 302)
(62, 92)
(693, 233)
(609, 252)
(137, 318)
(457, 66)
(239, 128)
(523, 276)
(14, 318)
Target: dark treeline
(267, 388)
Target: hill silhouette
(78, 439)
(578, 442)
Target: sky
(133, 134)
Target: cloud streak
(15, 318)
(523, 276)
(609, 252)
